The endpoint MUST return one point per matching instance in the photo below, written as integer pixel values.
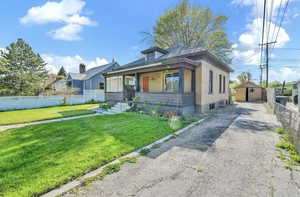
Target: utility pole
(262, 41)
(267, 60)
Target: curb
(77, 182)
(15, 126)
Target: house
(90, 81)
(249, 92)
(181, 79)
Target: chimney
(82, 68)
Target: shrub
(105, 106)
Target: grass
(291, 157)
(48, 113)
(38, 158)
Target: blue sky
(67, 32)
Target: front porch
(170, 89)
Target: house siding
(93, 83)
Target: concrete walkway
(231, 154)
(6, 127)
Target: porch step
(118, 108)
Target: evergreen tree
(25, 70)
(62, 72)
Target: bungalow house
(185, 80)
(90, 81)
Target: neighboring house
(90, 81)
(248, 92)
(180, 79)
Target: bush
(105, 106)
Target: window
(220, 84)
(172, 82)
(224, 84)
(210, 84)
(114, 84)
(101, 86)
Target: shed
(248, 92)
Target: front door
(145, 84)
(247, 94)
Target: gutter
(135, 68)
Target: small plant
(145, 151)
(280, 131)
(110, 169)
(128, 160)
(175, 123)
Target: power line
(270, 19)
(283, 15)
(277, 19)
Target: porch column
(137, 82)
(181, 80)
(123, 84)
(105, 84)
(193, 87)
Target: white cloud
(285, 73)
(68, 32)
(246, 51)
(70, 63)
(67, 12)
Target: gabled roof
(153, 49)
(173, 53)
(94, 71)
(248, 84)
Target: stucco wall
(215, 96)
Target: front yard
(37, 158)
(25, 116)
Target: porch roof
(175, 55)
(158, 65)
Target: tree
(244, 77)
(192, 26)
(25, 70)
(62, 72)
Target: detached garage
(248, 92)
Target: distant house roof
(248, 84)
(173, 53)
(93, 71)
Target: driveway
(230, 154)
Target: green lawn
(24, 116)
(37, 158)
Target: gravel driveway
(231, 154)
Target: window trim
(211, 82)
(220, 84)
(224, 84)
(101, 84)
(165, 81)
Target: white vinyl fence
(31, 102)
